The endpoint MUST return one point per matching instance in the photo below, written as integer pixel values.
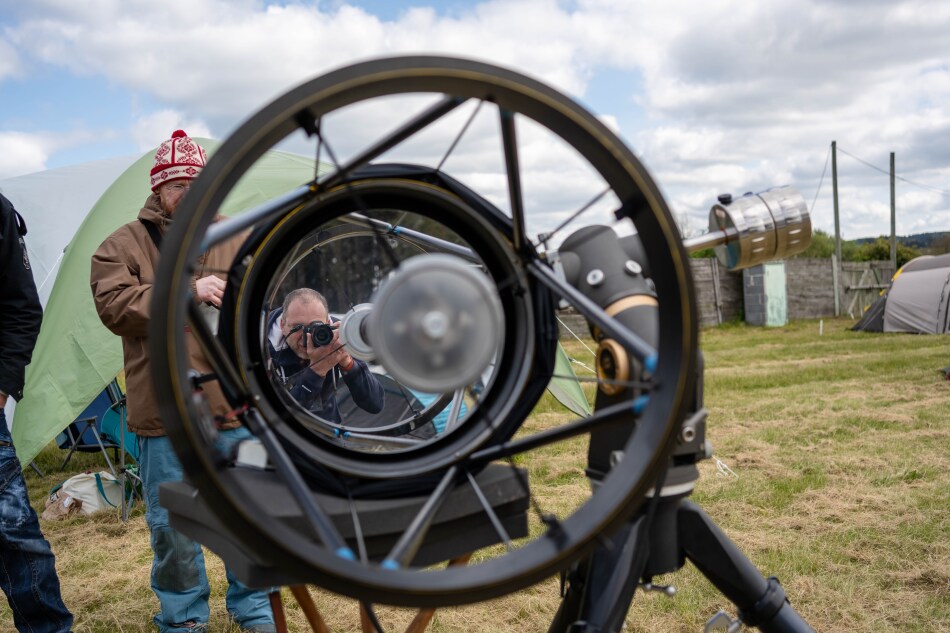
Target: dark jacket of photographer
(20, 311)
(317, 393)
(123, 271)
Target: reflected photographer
(310, 362)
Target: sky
(713, 97)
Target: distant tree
(823, 245)
(941, 245)
(880, 249)
(849, 251)
(700, 254)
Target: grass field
(840, 448)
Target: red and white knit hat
(178, 157)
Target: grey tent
(916, 300)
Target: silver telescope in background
(756, 228)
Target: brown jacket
(123, 271)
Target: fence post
(714, 262)
(835, 281)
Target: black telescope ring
(618, 495)
(482, 426)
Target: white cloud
(735, 96)
(150, 130)
(23, 153)
(222, 60)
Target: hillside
(921, 241)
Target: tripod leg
(302, 596)
(421, 622)
(602, 585)
(761, 602)
(366, 624)
(277, 607)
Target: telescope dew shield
(793, 223)
(773, 224)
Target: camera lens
(321, 334)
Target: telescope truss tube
(328, 471)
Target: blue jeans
(179, 579)
(27, 566)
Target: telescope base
(459, 528)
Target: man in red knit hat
(123, 270)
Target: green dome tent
(76, 356)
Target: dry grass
(841, 444)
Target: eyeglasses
(178, 187)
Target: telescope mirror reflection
(380, 341)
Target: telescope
(443, 260)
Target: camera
(320, 333)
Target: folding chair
(85, 433)
(130, 448)
(114, 426)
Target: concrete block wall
(728, 292)
(811, 289)
(575, 322)
(809, 285)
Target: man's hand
(3, 399)
(210, 289)
(324, 359)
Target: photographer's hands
(323, 359)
